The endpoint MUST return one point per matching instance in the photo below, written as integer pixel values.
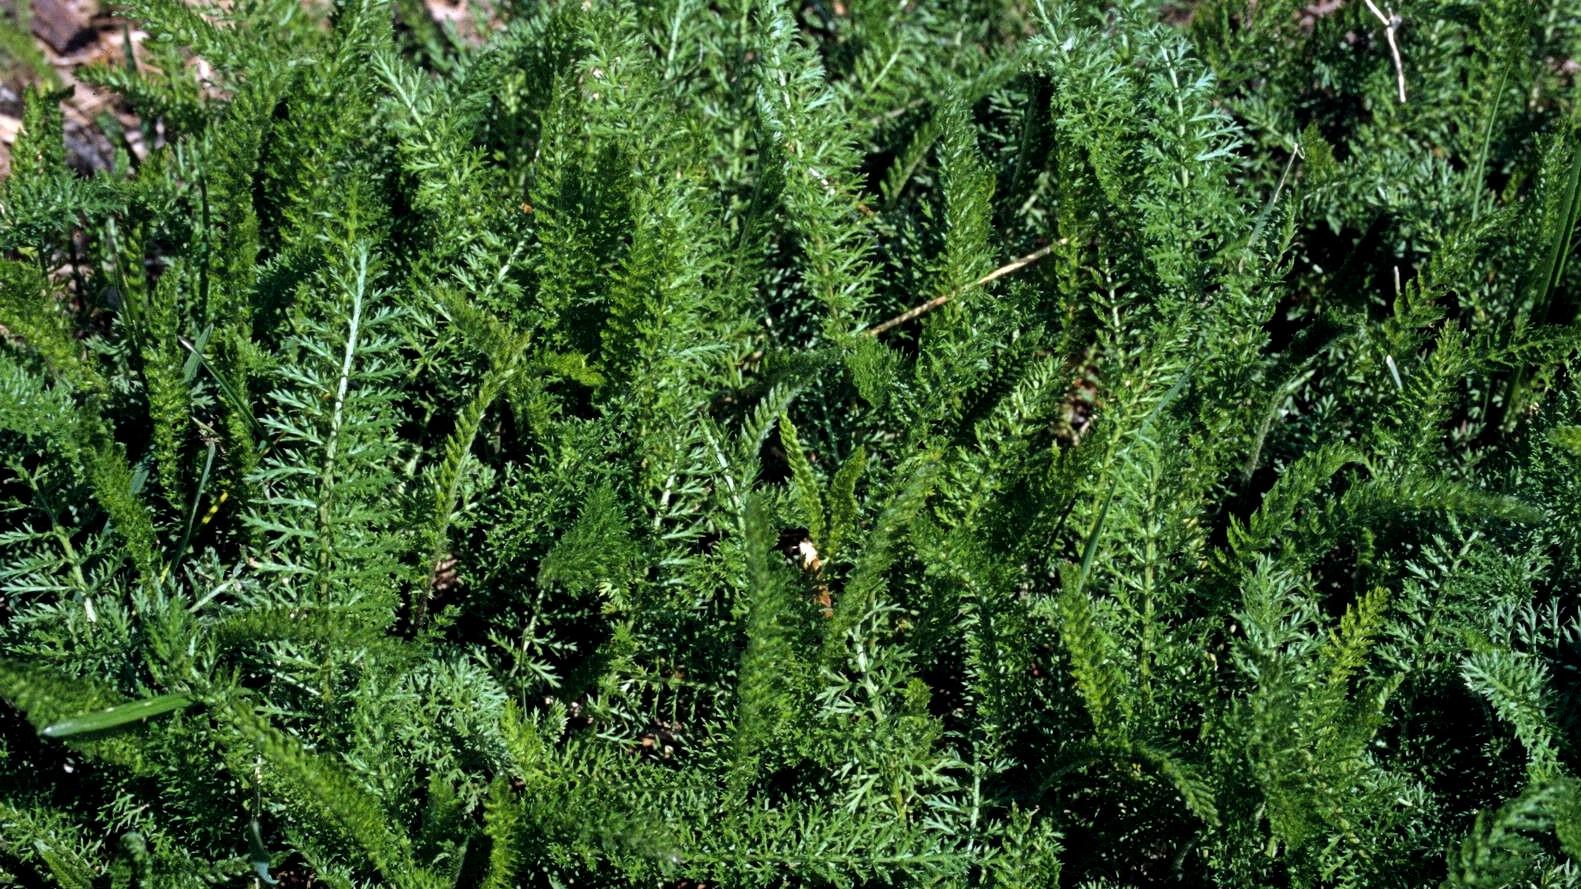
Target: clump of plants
(962, 443)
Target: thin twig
(1391, 23)
(937, 301)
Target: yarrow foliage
(958, 443)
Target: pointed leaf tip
(120, 714)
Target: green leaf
(804, 482)
(258, 853)
(843, 510)
(119, 715)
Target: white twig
(1391, 23)
(937, 301)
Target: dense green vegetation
(443, 465)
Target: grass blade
(119, 715)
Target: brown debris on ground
(61, 23)
(70, 35)
(471, 21)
